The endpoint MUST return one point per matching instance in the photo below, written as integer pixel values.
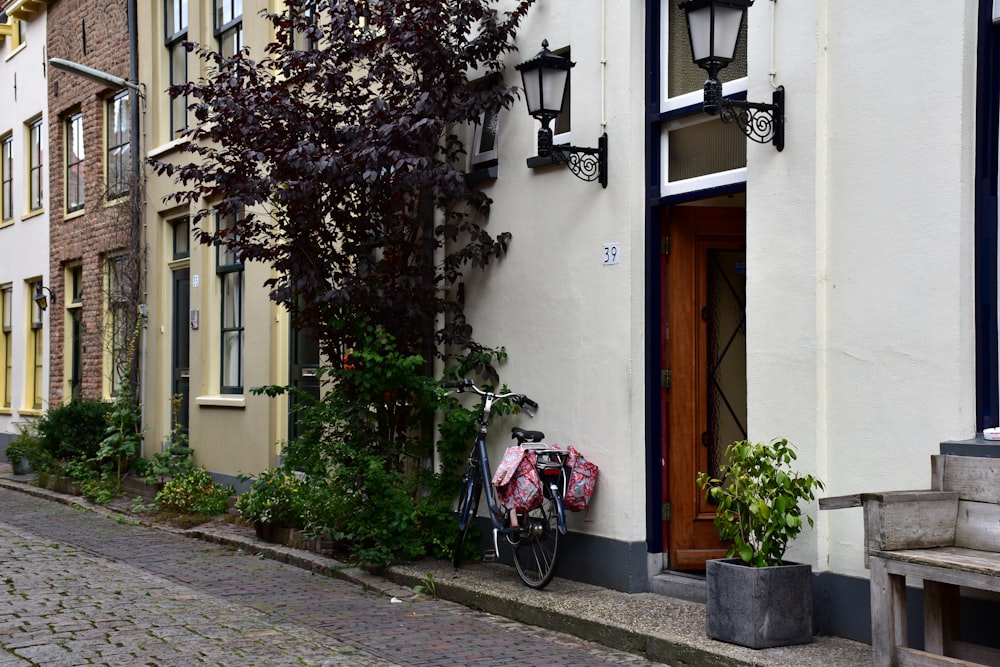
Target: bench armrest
(909, 520)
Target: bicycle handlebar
(469, 383)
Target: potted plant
(23, 449)
(755, 597)
(272, 502)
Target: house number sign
(611, 255)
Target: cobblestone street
(80, 588)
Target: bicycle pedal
(489, 556)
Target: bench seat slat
(964, 567)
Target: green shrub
(275, 497)
(27, 445)
(74, 430)
(194, 493)
(366, 447)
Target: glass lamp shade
(544, 78)
(714, 29)
(40, 299)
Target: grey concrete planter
(759, 607)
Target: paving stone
(85, 590)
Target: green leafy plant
(759, 498)
(174, 460)
(194, 493)
(27, 445)
(427, 587)
(73, 431)
(275, 497)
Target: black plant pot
(759, 607)
(264, 531)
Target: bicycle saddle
(523, 435)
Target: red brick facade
(93, 33)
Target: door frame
(688, 531)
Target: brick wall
(92, 33)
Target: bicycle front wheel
(468, 508)
(536, 549)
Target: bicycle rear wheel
(536, 549)
(468, 508)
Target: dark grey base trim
(5, 439)
(601, 561)
(842, 607)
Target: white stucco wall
(24, 244)
(860, 235)
(572, 326)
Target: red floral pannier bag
(582, 481)
(519, 488)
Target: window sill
(32, 214)
(74, 214)
(31, 413)
(7, 223)
(168, 147)
(221, 401)
(6, 411)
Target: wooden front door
(704, 351)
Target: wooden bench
(948, 537)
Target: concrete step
(681, 585)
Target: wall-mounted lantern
(545, 78)
(714, 30)
(40, 299)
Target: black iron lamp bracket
(759, 121)
(587, 164)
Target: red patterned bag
(582, 481)
(519, 488)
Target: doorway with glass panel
(705, 392)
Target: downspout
(136, 200)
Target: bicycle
(533, 535)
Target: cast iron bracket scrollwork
(587, 164)
(760, 122)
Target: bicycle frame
(480, 456)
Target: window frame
(36, 369)
(118, 151)
(116, 334)
(7, 178)
(175, 15)
(7, 348)
(73, 135)
(225, 29)
(230, 272)
(36, 165)
(685, 109)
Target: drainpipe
(135, 200)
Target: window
(119, 139)
(176, 21)
(301, 41)
(7, 177)
(230, 272)
(74, 162)
(483, 155)
(117, 328)
(17, 30)
(484, 148)
(74, 311)
(36, 350)
(181, 232)
(36, 154)
(561, 125)
(698, 152)
(6, 330)
(229, 26)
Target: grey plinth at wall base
(759, 607)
